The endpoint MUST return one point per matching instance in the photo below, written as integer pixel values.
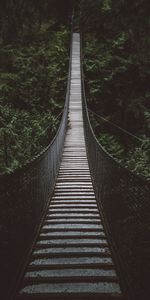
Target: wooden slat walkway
(71, 258)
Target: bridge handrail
(24, 194)
(124, 200)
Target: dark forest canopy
(34, 39)
(117, 72)
(117, 35)
(19, 16)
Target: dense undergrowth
(130, 152)
(33, 76)
(116, 63)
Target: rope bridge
(91, 240)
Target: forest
(34, 40)
(34, 56)
(35, 49)
(117, 74)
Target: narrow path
(71, 258)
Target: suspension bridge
(77, 246)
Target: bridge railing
(124, 200)
(24, 196)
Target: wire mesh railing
(124, 200)
(24, 195)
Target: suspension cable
(116, 126)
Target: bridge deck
(71, 258)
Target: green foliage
(137, 158)
(147, 122)
(23, 135)
(130, 152)
(33, 78)
(116, 43)
(116, 63)
(25, 20)
(114, 83)
(35, 75)
(112, 146)
(106, 6)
